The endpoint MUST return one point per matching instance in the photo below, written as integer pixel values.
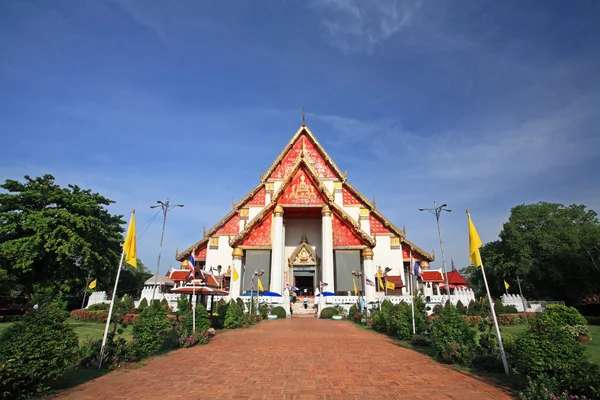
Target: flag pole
(502, 354)
(412, 304)
(87, 282)
(112, 301)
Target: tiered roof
(304, 158)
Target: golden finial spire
(303, 117)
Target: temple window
(345, 261)
(214, 243)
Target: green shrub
(182, 305)
(152, 332)
(36, 351)
(234, 316)
(143, 305)
(557, 355)
(202, 320)
(127, 304)
(401, 321)
(165, 305)
(279, 311)
(421, 340)
(99, 307)
(462, 310)
(116, 353)
(263, 311)
(437, 309)
(452, 336)
(328, 312)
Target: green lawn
(85, 330)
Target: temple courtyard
(298, 358)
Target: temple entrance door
(305, 278)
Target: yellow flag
(92, 284)
(474, 244)
(390, 285)
(235, 275)
(379, 279)
(506, 285)
(260, 286)
(355, 289)
(129, 245)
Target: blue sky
(481, 104)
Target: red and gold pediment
(311, 154)
(378, 226)
(302, 191)
(201, 253)
(344, 235)
(348, 198)
(260, 234)
(258, 199)
(231, 227)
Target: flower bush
(92, 316)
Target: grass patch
(85, 330)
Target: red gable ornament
(302, 191)
(261, 234)
(343, 235)
(312, 157)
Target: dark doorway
(305, 281)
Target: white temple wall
(386, 257)
(294, 228)
(220, 256)
(353, 211)
(253, 212)
(329, 186)
(277, 186)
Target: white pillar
(327, 248)
(235, 286)
(369, 272)
(276, 251)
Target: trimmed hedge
(100, 316)
(328, 312)
(279, 311)
(503, 319)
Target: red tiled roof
(455, 278)
(209, 279)
(396, 280)
(432, 276)
(179, 275)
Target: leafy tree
(552, 247)
(53, 237)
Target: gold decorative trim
(278, 210)
(395, 243)
(237, 252)
(364, 212)
(214, 242)
(367, 253)
(325, 210)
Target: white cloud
(354, 25)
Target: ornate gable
(231, 227)
(201, 254)
(302, 190)
(377, 226)
(316, 157)
(260, 234)
(303, 254)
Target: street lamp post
(437, 210)
(166, 207)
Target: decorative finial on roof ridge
(303, 118)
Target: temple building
(305, 225)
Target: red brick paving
(298, 358)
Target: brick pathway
(298, 358)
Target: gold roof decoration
(318, 147)
(278, 209)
